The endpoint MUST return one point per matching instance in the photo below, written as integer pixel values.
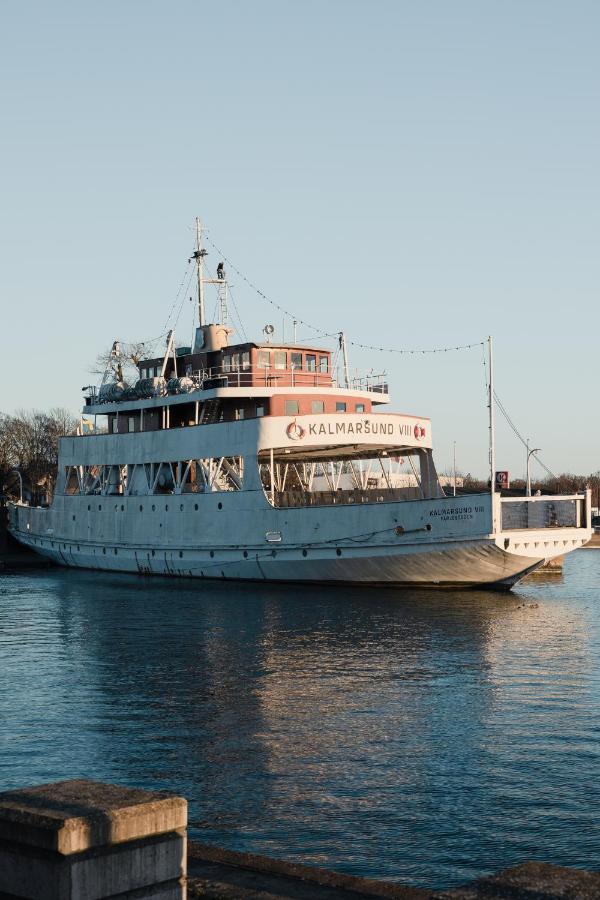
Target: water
(428, 737)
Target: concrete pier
(84, 840)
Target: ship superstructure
(266, 461)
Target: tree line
(29, 451)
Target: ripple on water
(423, 736)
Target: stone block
(83, 840)
(72, 816)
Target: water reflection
(426, 736)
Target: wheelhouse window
(115, 425)
(360, 407)
(317, 406)
(291, 407)
(280, 359)
(323, 364)
(340, 407)
(235, 362)
(264, 359)
(245, 357)
(311, 362)
(239, 414)
(131, 424)
(227, 363)
(296, 360)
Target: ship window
(246, 360)
(235, 362)
(239, 413)
(297, 360)
(317, 406)
(260, 410)
(323, 364)
(360, 407)
(280, 359)
(311, 362)
(115, 425)
(291, 408)
(227, 363)
(131, 424)
(340, 407)
(264, 359)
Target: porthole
(154, 553)
(212, 553)
(245, 554)
(428, 526)
(100, 509)
(166, 507)
(141, 508)
(181, 554)
(78, 548)
(219, 506)
(116, 551)
(104, 551)
(116, 507)
(305, 553)
(122, 508)
(153, 508)
(338, 551)
(196, 507)
(181, 507)
(89, 507)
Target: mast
(345, 358)
(492, 428)
(199, 255)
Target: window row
(315, 407)
(281, 359)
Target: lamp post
(529, 454)
(454, 492)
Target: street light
(529, 454)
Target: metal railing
(218, 377)
(543, 512)
(290, 499)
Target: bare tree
(121, 364)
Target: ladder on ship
(211, 412)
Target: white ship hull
(356, 545)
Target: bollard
(84, 840)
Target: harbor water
(428, 737)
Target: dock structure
(85, 840)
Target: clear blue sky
(418, 174)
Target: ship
(267, 461)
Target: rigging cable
(520, 437)
(323, 333)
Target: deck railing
(543, 512)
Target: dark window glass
(340, 407)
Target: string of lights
(320, 331)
